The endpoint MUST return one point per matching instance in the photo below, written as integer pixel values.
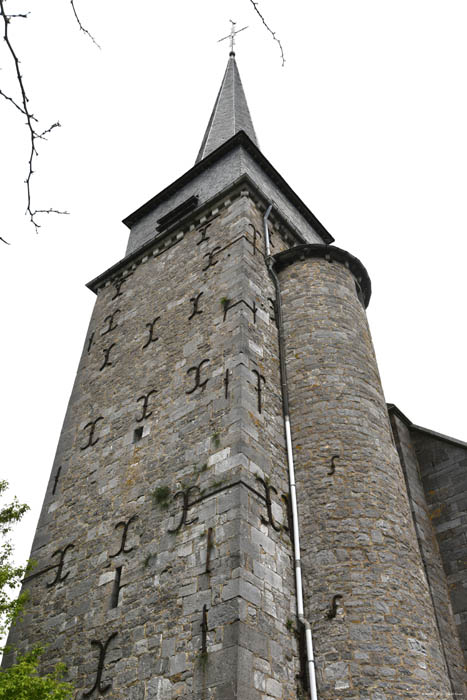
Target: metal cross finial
(232, 34)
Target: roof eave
(392, 408)
(243, 140)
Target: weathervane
(231, 36)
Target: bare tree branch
(51, 211)
(10, 99)
(47, 131)
(255, 5)
(83, 29)
(30, 118)
(23, 107)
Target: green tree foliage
(10, 575)
(21, 681)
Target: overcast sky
(366, 122)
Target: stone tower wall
(358, 541)
(430, 553)
(443, 468)
(167, 601)
(164, 562)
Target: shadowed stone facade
(165, 565)
(434, 470)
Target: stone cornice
(332, 254)
(171, 235)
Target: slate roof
(230, 113)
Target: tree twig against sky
(31, 121)
(255, 5)
(22, 105)
(21, 102)
(83, 29)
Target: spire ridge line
(230, 113)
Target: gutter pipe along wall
(290, 461)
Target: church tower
(227, 515)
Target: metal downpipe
(292, 486)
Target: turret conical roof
(230, 113)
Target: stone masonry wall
(359, 550)
(430, 554)
(443, 467)
(164, 563)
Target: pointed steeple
(230, 113)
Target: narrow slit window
(138, 434)
(116, 588)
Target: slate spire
(230, 113)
